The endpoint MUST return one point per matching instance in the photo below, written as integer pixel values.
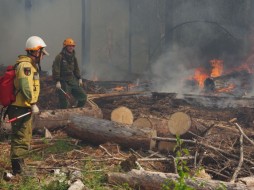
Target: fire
(200, 76)
(119, 88)
(124, 88)
(229, 88)
(217, 67)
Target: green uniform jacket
(27, 82)
(64, 70)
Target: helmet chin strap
(37, 59)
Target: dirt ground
(143, 105)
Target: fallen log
(249, 181)
(99, 131)
(148, 180)
(53, 119)
(97, 96)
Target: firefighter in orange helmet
(27, 87)
(66, 73)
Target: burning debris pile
(234, 82)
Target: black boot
(17, 166)
(81, 103)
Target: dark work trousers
(71, 87)
(21, 136)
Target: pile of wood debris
(219, 140)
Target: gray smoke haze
(52, 20)
(108, 40)
(200, 31)
(171, 70)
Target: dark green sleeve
(56, 68)
(76, 71)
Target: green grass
(60, 146)
(94, 173)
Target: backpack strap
(14, 68)
(60, 63)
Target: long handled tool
(16, 118)
(66, 95)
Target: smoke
(108, 50)
(201, 31)
(52, 20)
(171, 70)
(219, 102)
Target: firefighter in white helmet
(27, 87)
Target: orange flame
(119, 88)
(217, 67)
(200, 76)
(229, 88)
(123, 88)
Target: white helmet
(35, 43)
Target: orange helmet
(69, 42)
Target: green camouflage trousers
(21, 132)
(72, 88)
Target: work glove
(58, 85)
(80, 82)
(35, 109)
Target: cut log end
(143, 122)
(154, 123)
(179, 123)
(122, 115)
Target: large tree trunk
(100, 131)
(53, 119)
(147, 180)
